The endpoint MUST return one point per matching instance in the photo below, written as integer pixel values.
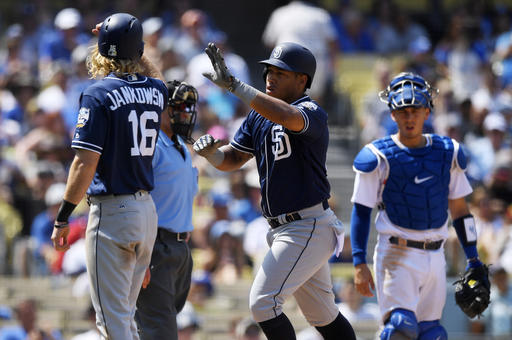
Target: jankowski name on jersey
(129, 95)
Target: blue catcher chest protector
(415, 195)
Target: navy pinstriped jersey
(119, 118)
(291, 165)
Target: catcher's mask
(182, 108)
(408, 89)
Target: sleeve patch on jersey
(309, 105)
(83, 117)
(366, 160)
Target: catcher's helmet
(182, 108)
(408, 89)
(121, 37)
(292, 57)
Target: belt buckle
(426, 244)
(179, 237)
(402, 242)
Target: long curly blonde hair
(99, 66)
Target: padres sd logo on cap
(277, 52)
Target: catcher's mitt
(472, 291)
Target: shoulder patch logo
(83, 117)
(112, 51)
(277, 52)
(309, 105)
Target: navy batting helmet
(292, 57)
(121, 37)
(408, 89)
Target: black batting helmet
(121, 37)
(292, 57)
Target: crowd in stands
(42, 74)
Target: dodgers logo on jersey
(83, 117)
(281, 147)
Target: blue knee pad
(402, 325)
(432, 330)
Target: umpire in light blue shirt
(167, 281)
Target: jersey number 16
(148, 136)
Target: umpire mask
(182, 108)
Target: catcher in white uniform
(416, 181)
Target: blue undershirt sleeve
(359, 232)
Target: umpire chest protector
(415, 193)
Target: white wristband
(245, 92)
(216, 158)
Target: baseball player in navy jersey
(287, 133)
(417, 182)
(114, 142)
(175, 188)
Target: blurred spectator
(500, 184)
(188, 322)
(223, 104)
(78, 81)
(220, 200)
(255, 241)
(245, 187)
(352, 32)
(303, 23)
(482, 151)
(449, 124)
(394, 28)
(173, 66)
(152, 28)
(354, 308)
(194, 34)
(420, 59)
(27, 328)
(201, 288)
(502, 56)
(488, 222)
(92, 333)
(374, 110)
(58, 45)
(462, 56)
(11, 59)
(498, 317)
(245, 329)
(23, 87)
(227, 259)
(42, 253)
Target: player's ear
(393, 115)
(427, 114)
